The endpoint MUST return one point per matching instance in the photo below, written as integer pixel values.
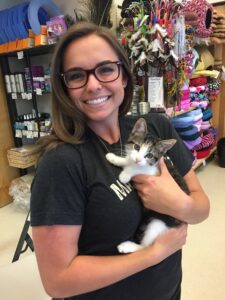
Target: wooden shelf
(33, 51)
(202, 161)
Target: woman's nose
(93, 83)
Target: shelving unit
(23, 59)
(7, 173)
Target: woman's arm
(162, 194)
(64, 273)
(197, 207)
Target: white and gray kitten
(142, 155)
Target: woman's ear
(124, 82)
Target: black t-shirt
(76, 185)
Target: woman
(80, 212)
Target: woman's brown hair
(68, 123)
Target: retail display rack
(26, 128)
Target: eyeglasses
(106, 72)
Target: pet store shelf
(202, 161)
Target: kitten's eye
(137, 147)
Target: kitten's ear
(138, 132)
(166, 145)
(140, 127)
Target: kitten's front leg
(116, 160)
(128, 247)
(129, 171)
(124, 176)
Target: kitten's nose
(138, 160)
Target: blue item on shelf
(17, 20)
(4, 35)
(21, 12)
(33, 13)
(14, 22)
(43, 16)
(207, 114)
(1, 34)
(189, 132)
(8, 24)
(182, 122)
(196, 114)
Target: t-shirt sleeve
(58, 190)
(180, 155)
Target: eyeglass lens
(78, 78)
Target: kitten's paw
(111, 157)
(124, 177)
(128, 247)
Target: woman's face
(98, 101)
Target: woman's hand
(162, 194)
(170, 241)
(159, 193)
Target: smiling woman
(68, 121)
(99, 84)
(80, 210)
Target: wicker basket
(22, 157)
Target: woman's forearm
(195, 208)
(89, 273)
(64, 275)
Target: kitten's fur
(142, 155)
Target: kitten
(142, 155)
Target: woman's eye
(76, 76)
(105, 70)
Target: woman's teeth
(97, 101)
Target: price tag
(24, 132)
(18, 133)
(14, 95)
(38, 91)
(20, 55)
(24, 95)
(155, 92)
(30, 134)
(35, 134)
(29, 96)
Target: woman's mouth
(97, 101)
